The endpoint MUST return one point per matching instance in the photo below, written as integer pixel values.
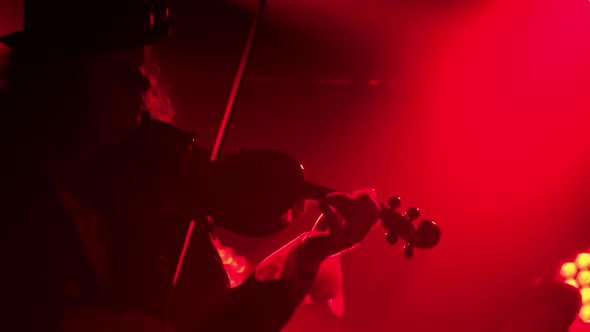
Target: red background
(479, 116)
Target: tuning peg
(408, 251)
(412, 214)
(428, 234)
(391, 237)
(394, 202)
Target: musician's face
(115, 86)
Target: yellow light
(585, 313)
(226, 254)
(239, 264)
(584, 278)
(572, 282)
(585, 295)
(583, 261)
(241, 269)
(569, 270)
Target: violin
(245, 191)
(249, 177)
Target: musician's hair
(156, 99)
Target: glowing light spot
(585, 292)
(373, 82)
(239, 264)
(577, 274)
(584, 278)
(572, 282)
(226, 254)
(569, 270)
(234, 265)
(583, 261)
(585, 314)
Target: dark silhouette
(82, 254)
(548, 306)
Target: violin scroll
(426, 235)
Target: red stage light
(585, 313)
(569, 270)
(577, 274)
(585, 295)
(583, 278)
(583, 261)
(572, 282)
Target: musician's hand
(345, 222)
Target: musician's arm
(265, 301)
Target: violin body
(253, 189)
(246, 191)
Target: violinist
(77, 257)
